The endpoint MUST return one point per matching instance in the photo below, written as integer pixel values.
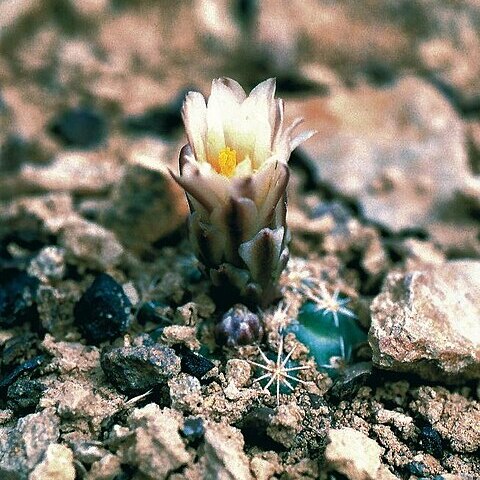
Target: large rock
(428, 322)
(399, 152)
(356, 456)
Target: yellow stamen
(227, 161)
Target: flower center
(227, 161)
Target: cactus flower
(234, 171)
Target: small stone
(107, 468)
(24, 445)
(18, 291)
(24, 394)
(136, 369)
(351, 379)
(254, 425)
(193, 363)
(238, 371)
(193, 430)
(430, 441)
(223, 453)
(428, 322)
(88, 452)
(57, 464)
(103, 311)
(80, 127)
(415, 468)
(238, 326)
(185, 393)
(49, 264)
(90, 244)
(156, 447)
(356, 456)
(27, 366)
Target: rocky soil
(117, 359)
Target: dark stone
(24, 394)
(415, 468)
(18, 349)
(193, 430)
(25, 367)
(103, 311)
(16, 151)
(24, 445)
(80, 127)
(352, 378)
(238, 326)
(430, 441)
(254, 427)
(18, 292)
(137, 369)
(192, 363)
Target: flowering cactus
(234, 171)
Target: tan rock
(57, 464)
(428, 322)
(356, 456)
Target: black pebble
(351, 379)
(25, 367)
(431, 441)
(193, 430)
(18, 292)
(254, 426)
(136, 369)
(80, 127)
(415, 468)
(103, 311)
(192, 363)
(24, 394)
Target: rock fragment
(57, 464)
(156, 447)
(136, 369)
(103, 311)
(428, 322)
(356, 456)
(223, 454)
(22, 447)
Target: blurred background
(392, 86)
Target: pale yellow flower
(235, 173)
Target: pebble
(80, 127)
(427, 322)
(24, 445)
(49, 264)
(17, 298)
(136, 369)
(56, 465)
(24, 394)
(356, 456)
(103, 311)
(193, 430)
(238, 326)
(430, 441)
(193, 363)
(223, 453)
(25, 367)
(185, 393)
(156, 447)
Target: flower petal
(194, 114)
